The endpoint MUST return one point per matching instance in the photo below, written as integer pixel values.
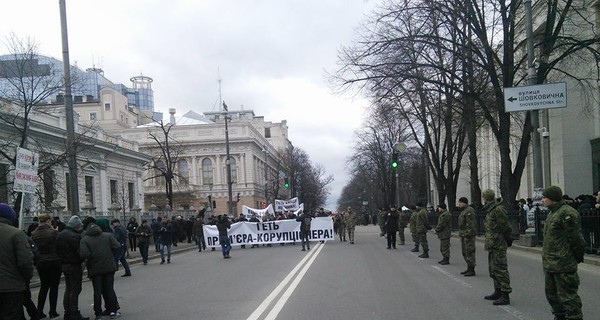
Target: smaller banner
(280, 231)
(287, 205)
(299, 211)
(249, 212)
(26, 171)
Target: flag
(225, 106)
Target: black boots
(444, 261)
(415, 249)
(424, 255)
(470, 272)
(494, 296)
(503, 300)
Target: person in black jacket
(305, 220)
(223, 224)
(165, 239)
(391, 226)
(132, 226)
(67, 247)
(121, 235)
(98, 249)
(49, 267)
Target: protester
(121, 235)
(16, 263)
(165, 239)
(49, 265)
(305, 221)
(223, 224)
(143, 234)
(132, 226)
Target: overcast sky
(272, 57)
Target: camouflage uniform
(351, 219)
(563, 248)
(413, 230)
(443, 232)
(341, 227)
(467, 232)
(402, 221)
(496, 225)
(422, 225)
(381, 215)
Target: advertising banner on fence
(249, 212)
(287, 205)
(281, 231)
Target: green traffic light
(394, 165)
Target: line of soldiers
(563, 246)
(345, 223)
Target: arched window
(183, 171)
(159, 173)
(233, 170)
(207, 172)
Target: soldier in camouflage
(564, 248)
(467, 232)
(351, 219)
(341, 221)
(402, 222)
(496, 227)
(381, 215)
(442, 229)
(413, 227)
(422, 224)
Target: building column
(194, 176)
(104, 195)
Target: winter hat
(463, 200)
(488, 195)
(75, 222)
(553, 193)
(7, 212)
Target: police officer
(496, 227)
(442, 229)
(563, 249)
(466, 232)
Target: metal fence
(590, 225)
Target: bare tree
(309, 182)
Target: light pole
(228, 162)
(266, 176)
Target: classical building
(109, 167)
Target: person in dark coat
(144, 232)
(391, 226)
(155, 226)
(67, 247)
(98, 249)
(223, 223)
(198, 231)
(16, 263)
(132, 226)
(32, 226)
(165, 239)
(121, 235)
(49, 266)
(305, 222)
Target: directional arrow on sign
(511, 99)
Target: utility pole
(266, 176)
(538, 178)
(228, 162)
(71, 154)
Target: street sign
(543, 96)
(26, 175)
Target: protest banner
(287, 205)
(269, 232)
(249, 212)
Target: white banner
(249, 212)
(287, 205)
(26, 171)
(281, 231)
(299, 211)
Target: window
(89, 189)
(107, 107)
(233, 170)
(131, 194)
(122, 118)
(48, 180)
(93, 116)
(207, 172)
(113, 192)
(267, 132)
(184, 173)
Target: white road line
(288, 293)
(515, 313)
(453, 277)
(263, 306)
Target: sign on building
(26, 171)
(543, 96)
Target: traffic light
(394, 163)
(286, 183)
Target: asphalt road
(334, 281)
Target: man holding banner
(223, 224)
(304, 220)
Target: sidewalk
(134, 258)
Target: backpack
(307, 224)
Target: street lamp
(228, 162)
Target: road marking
(288, 293)
(263, 306)
(515, 313)
(453, 277)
